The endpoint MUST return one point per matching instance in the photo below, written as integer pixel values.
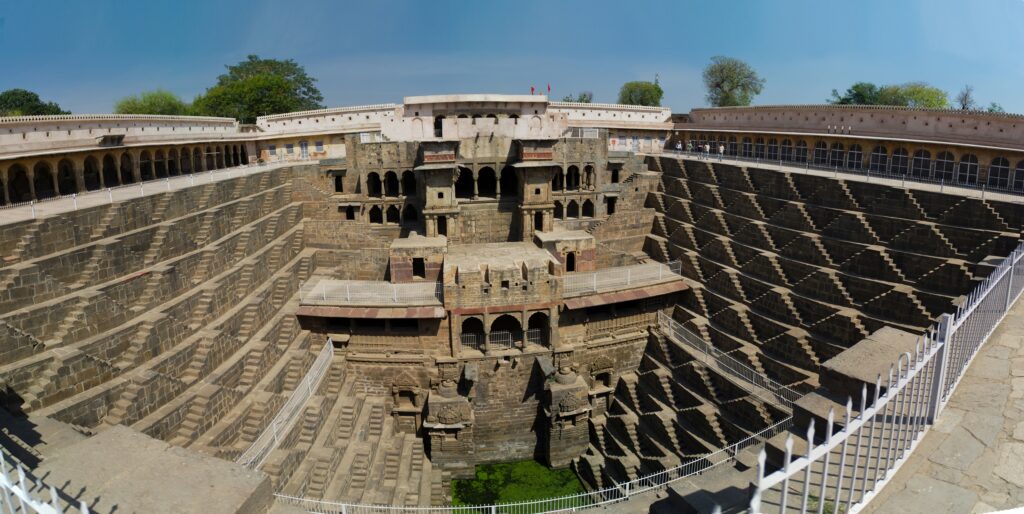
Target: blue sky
(86, 54)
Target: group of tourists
(703, 152)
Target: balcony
(327, 297)
(620, 284)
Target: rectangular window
(339, 185)
(289, 148)
(273, 150)
(419, 268)
(319, 146)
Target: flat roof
(563, 235)
(496, 255)
(466, 98)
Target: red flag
(549, 88)
(531, 90)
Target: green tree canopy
(911, 94)
(585, 97)
(641, 92)
(158, 101)
(994, 107)
(247, 98)
(731, 82)
(21, 102)
(301, 87)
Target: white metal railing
(852, 465)
(254, 456)
(20, 491)
(621, 277)
(584, 133)
(503, 339)
(750, 380)
(570, 503)
(368, 292)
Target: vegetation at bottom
(514, 482)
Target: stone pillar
(78, 168)
(54, 172)
(6, 185)
(31, 174)
(136, 167)
(568, 410)
(476, 184)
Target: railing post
(1009, 282)
(939, 372)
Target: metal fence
(368, 292)
(254, 456)
(750, 380)
(955, 174)
(570, 503)
(851, 466)
(23, 493)
(621, 277)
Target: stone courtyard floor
(972, 460)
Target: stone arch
(538, 221)
(110, 176)
(509, 183)
(559, 212)
(409, 214)
(487, 183)
(244, 154)
(393, 215)
(879, 159)
(145, 165)
(127, 177)
(558, 181)
(91, 174)
(234, 156)
(921, 164)
(375, 215)
(786, 150)
(999, 173)
(945, 163)
(572, 210)
(211, 159)
(391, 185)
(801, 151)
(197, 160)
(773, 149)
(218, 152)
(438, 125)
(855, 157)
(967, 171)
(408, 183)
(464, 184)
(506, 323)
(442, 225)
(159, 164)
(373, 184)
(186, 161)
(836, 155)
(588, 176)
(572, 178)
(537, 328)
(172, 163)
(18, 187)
(900, 163)
(820, 153)
(588, 209)
(42, 180)
(66, 183)
(472, 325)
(570, 261)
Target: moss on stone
(514, 482)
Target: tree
(302, 91)
(731, 82)
(641, 92)
(861, 93)
(585, 97)
(911, 94)
(965, 98)
(158, 101)
(994, 107)
(247, 98)
(21, 102)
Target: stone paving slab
(972, 460)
